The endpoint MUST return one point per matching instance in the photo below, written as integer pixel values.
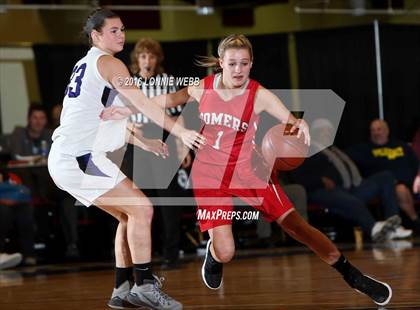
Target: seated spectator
(35, 138)
(15, 209)
(383, 153)
(332, 180)
(10, 260)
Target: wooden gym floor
(281, 279)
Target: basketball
(282, 149)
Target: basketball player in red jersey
(229, 105)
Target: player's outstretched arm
(114, 71)
(173, 99)
(184, 95)
(266, 101)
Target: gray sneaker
(119, 297)
(150, 296)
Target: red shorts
(211, 195)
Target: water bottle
(44, 148)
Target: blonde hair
(236, 41)
(146, 45)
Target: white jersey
(81, 130)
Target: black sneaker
(119, 297)
(379, 292)
(211, 271)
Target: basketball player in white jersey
(78, 164)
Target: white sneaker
(381, 230)
(400, 233)
(10, 260)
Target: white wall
(14, 99)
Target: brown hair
(96, 21)
(35, 106)
(146, 45)
(236, 41)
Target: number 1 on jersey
(217, 142)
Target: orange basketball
(282, 150)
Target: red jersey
(223, 169)
(222, 120)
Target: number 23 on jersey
(73, 89)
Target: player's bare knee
(146, 213)
(141, 213)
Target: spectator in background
(35, 138)
(15, 209)
(332, 180)
(383, 153)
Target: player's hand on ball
(302, 128)
(192, 139)
(115, 113)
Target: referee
(144, 168)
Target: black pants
(68, 214)
(171, 222)
(20, 215)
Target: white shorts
(87, 177)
